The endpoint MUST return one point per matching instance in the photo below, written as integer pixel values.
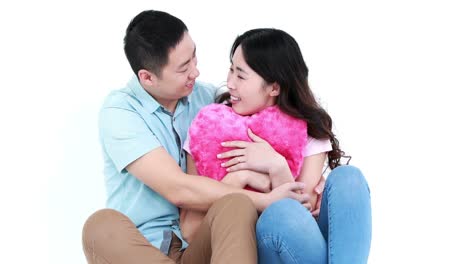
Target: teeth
(233, 98)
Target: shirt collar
(147, 101)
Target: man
(142, 130)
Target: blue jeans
(287, 232)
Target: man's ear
(275, 91)
(147, 78)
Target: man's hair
(149, 38)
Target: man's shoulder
(205, 86)
(124, 97)
(121, 98)
(203, 92)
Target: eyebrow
(241, 70)
(188, 61)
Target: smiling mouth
(233, 98)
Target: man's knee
(238, 201)
(97, 224)
(99, 227)
(238, 204)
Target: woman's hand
(257, 155)
(319, 191)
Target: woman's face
(249, 92)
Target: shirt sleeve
(316, 146)
(125, 136)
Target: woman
(268, 72)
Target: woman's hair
(276, 57)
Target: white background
(392, 74)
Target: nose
(195, 73)
(230, 82)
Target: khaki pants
(227, 235)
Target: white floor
(391, 74)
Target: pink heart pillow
(216, 123)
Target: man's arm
(130, 145)
(190, 220)
(158, 170)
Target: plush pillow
(217, 123)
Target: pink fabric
(316, 146)
(217, 123)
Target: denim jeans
(288, 233)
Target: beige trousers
(227, 235)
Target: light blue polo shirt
(132, 123)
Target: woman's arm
(257, 156)
(260, 156)
(311, 174)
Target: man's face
(178, 76)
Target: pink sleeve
(316, 146)
(186, 146)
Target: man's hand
(242, 178)
(236, 179)
(291, 190)
(257, 180)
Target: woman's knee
(282, 207)
(347, 177)
(284, 215)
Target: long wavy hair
(276, 57)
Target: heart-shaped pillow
(217, 123)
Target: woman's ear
(275, 91)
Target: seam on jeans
(330, 224)
(282, 246)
